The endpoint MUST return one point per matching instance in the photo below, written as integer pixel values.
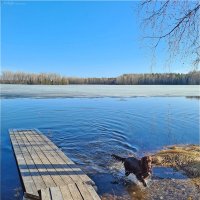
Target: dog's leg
(144, 182)
(141, 179)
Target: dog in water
(142, 168)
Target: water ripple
(89, 130)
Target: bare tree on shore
(175, 23)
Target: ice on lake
(92, 91)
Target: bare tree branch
(176, 23)
(181, 20)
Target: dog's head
(146, 162)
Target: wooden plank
(27, 178)
(63, 165)
(32, 167)
(66, 193)
(84, 192)
(39, 158)
(58, 157)
(29, 196)
(39, 170)
(75, 192)
(93, 192)
(81, 175)
(53, 160)
(56, 193)
(45, 194)
(45, 164)
(76, 170)
(33, 163)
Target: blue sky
(77, 39)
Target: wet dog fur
(141, 168)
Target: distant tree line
(191, 78)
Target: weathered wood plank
(63, 158)
(38, 170)
(33, 171)
(68, 168)
(56, 193)
(45, 163)
(45, 194)
(93, 192)
(65, 167)
(28, 180)
(66, 193)
(43, 166)
(76, 174)
(83, 190)
(43, 149)
(28, 196)
(75, 192)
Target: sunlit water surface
(89, 130)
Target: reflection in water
(90, 130)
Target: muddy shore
(176, 175)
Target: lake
(123, 120)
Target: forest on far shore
(191, 78)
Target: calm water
(89, 130)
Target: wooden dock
(46, 172)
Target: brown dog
(141, 168)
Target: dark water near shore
(89, 130)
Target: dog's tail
(118, 158)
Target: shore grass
(181, 157)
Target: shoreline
(181, 157)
